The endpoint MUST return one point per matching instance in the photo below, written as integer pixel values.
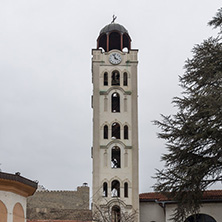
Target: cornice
(115, 88)
(17, 184)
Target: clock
(115, 58)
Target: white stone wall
(153, 212)
(10, 199)
(102, 115)
(212, 209)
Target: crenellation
(43, 204)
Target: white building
(154, 207)
(14, 190)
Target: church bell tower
(115, 126)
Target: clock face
(115, 58)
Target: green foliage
(217, 20)
(194, 134)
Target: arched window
(102, 42)
(115, 102)
(115, 78)
(116, 157)
(105, 79)
(126, 41)
(200, 218)
(105, 189)
(126, 134)
(18, 213)
(115, 131)
(3, 212)
(125, 189)
(114, 41)
(115, 214)
(115, 188)
(105, 132)
(125, 79)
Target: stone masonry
(59, 205)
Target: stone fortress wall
(56, 205)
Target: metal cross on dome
(114, 18)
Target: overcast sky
(45, 79)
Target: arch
(126, 193)
(105, 132)
(105, 79)
(3, 212)
(115, 102)
(115, 213)
(115, 130)
(116, 157)
(126, 41)
(126, 132)
(200, 218)
(115, 78)
(18, 213)
(115, 142)
(119, 202)
(105, 189)
(114, 41)
(125, 79)
(115, 89)
(103, 42)
(115, 188)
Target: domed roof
(113, 27)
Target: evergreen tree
(194, 134)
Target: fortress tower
(115, 125)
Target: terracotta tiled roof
(59, 221)
(208, 195)
(152, 197)
(212, 194)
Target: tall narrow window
(116, 157)
(116, 214)
(105, 132)
(126, 158)
(115, 102)
(102, 42)
(105, 158)
(114, 41)
(126, 134)
(126, 189)
(105, 189)
(125, 104)
(115, 78)
(105, 104)
(115, 131)
(125, 79)
(115, 188)
(105, 79)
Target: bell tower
(115, 126)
